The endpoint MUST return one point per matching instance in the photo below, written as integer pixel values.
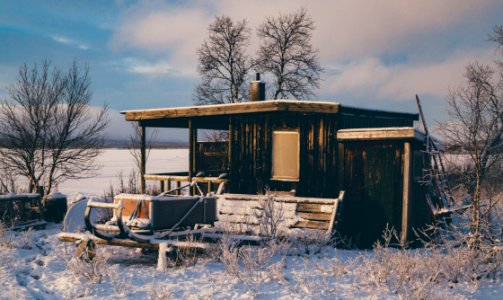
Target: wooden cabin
(307, 150)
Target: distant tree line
(285, 55)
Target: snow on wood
(154, 243)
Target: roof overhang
(389, 133)
(233, 108)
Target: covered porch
(213, 158)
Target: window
(285, 155)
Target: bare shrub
(422, 273)
(270, 215)
(311, 242)
(89, 267)
(160, 293)
(24, 239)
(251, 266)
(188, 256)
(5, 237)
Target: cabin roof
(232, 108)
(215, 116)
(387, 133)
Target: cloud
(344, 29)
(389, 49)
(370, 78)
(139, 66)
(70, 42)
(173, 32)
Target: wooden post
(143, 159)
(229, 151)
(407, 158)
(161, 259)
(192, 151)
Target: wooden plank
(233, 108)
(311, 225)
(379, 134)
(191, 149)
(314, 208)
(315, 216)
(286, 199)
(166, 177)
(74, 237)
(143, 159)
(406, 192)
(334, 212)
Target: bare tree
(497, 36)
(223, 64)
(476, 129)
(134, 147)
(48, 131)
(287, 54)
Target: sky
(142, 54)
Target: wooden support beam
(311, 225)
(233, 108)
(286, 199)
(333, 218)
(229, 148)
(192, 151)
(143, 159)
(154, 244)
(385, 133)
(407, 180)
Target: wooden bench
(242, 212)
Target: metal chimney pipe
(257, 89)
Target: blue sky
(142, 54)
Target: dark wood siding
(373, 180)
(212, 157)
(362, 118)
(251, 148)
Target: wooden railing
(170, 181)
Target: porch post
(143, 160)
(192, 151)
(406, 192)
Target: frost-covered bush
(251, 266)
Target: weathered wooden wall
(212, 156)
(372, 176)
(370, 171)
(251, 153)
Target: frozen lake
(115, 161)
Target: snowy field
(115, 161)
(35, 265)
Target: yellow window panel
(285, 149)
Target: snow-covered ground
(36, 265)
(117, 161)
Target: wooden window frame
(286, 178)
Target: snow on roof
(233, 108)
